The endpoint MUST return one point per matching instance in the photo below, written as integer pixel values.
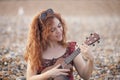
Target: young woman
(47, 44)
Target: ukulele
(65, 62)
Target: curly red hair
(38, 39)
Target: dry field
(82, 18)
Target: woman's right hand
(54, 72)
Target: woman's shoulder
(71, 45)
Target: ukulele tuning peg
(86, 37)
(93, 44)
(98, 41)
(91, 34)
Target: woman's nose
(58, 30)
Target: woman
(47, 43)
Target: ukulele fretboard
(72, 56)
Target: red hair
(38, 39)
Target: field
(82, 18)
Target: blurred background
(82, 18)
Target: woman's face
(56, 31)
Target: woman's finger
(62, 73)
(64, 70)
(58, 66)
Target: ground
(82, 18)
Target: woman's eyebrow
(59, 23)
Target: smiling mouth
(58, 36)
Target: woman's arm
(83, 67)
(44, 76)
(31, 75)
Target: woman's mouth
(58, 36)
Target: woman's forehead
(56, 22)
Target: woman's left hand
(86, 52)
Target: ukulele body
(63, 66)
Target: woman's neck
(54, 44)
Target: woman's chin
(59, 39)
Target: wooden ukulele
(65, 63)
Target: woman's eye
(52, 30)
(59, 25)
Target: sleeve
(71, 47)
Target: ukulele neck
(72, 56)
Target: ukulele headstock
(92, 39)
